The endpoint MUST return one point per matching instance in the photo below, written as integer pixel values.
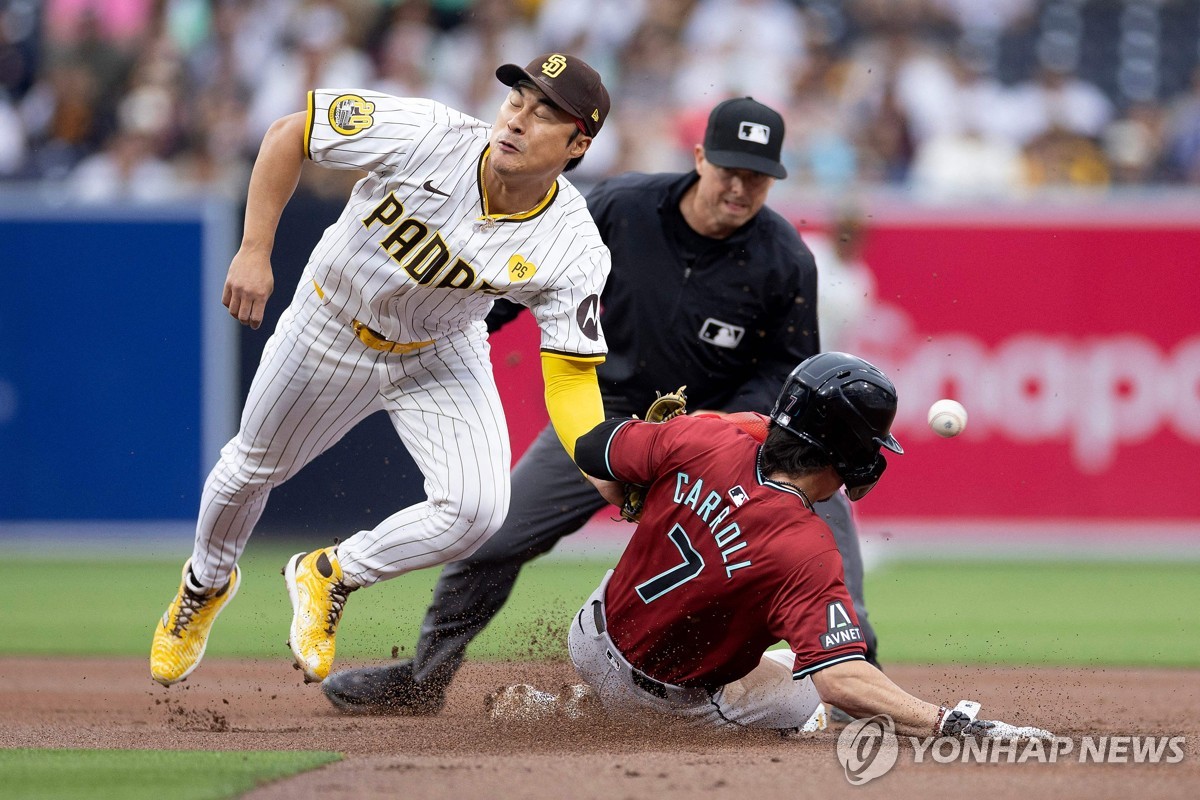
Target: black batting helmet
(844, 406)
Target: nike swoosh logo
(429, 188)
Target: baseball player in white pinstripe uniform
(389, 316)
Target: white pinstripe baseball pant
(315, 381)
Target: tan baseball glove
(665, 407)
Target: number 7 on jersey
(675, 577)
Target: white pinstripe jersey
(411, 255)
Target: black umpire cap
(744, 134)
(569, 83)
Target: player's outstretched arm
(276, 172)
(861, 690)
(572, 398)
(591, 455)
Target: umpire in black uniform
(708, 288)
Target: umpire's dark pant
(551, 499)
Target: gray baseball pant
(551, 499)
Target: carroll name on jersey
(689, 492)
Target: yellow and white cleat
(182, 635)
(314, 583)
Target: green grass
(146, 774)
(109, 606)
(1038, 612)
(980, 612)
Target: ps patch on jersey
(520, 270)
(721, 334)
(840, 627)
(738, 495)
(588, 317)
(350, 114)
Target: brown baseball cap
(569, 83)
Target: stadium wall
(1068, 330)
(117, 375)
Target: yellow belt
(373, 338)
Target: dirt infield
(248, 705)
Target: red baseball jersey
(724, 563)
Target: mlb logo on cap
(754, 132)
(742, 133)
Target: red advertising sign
(1073, 343)
(1075, 348)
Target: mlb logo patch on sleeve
(721, 334)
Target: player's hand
(994, 729)
(612, 491)
(961, 721)
(247, 286)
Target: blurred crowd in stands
(151, 99)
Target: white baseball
(947, 418)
